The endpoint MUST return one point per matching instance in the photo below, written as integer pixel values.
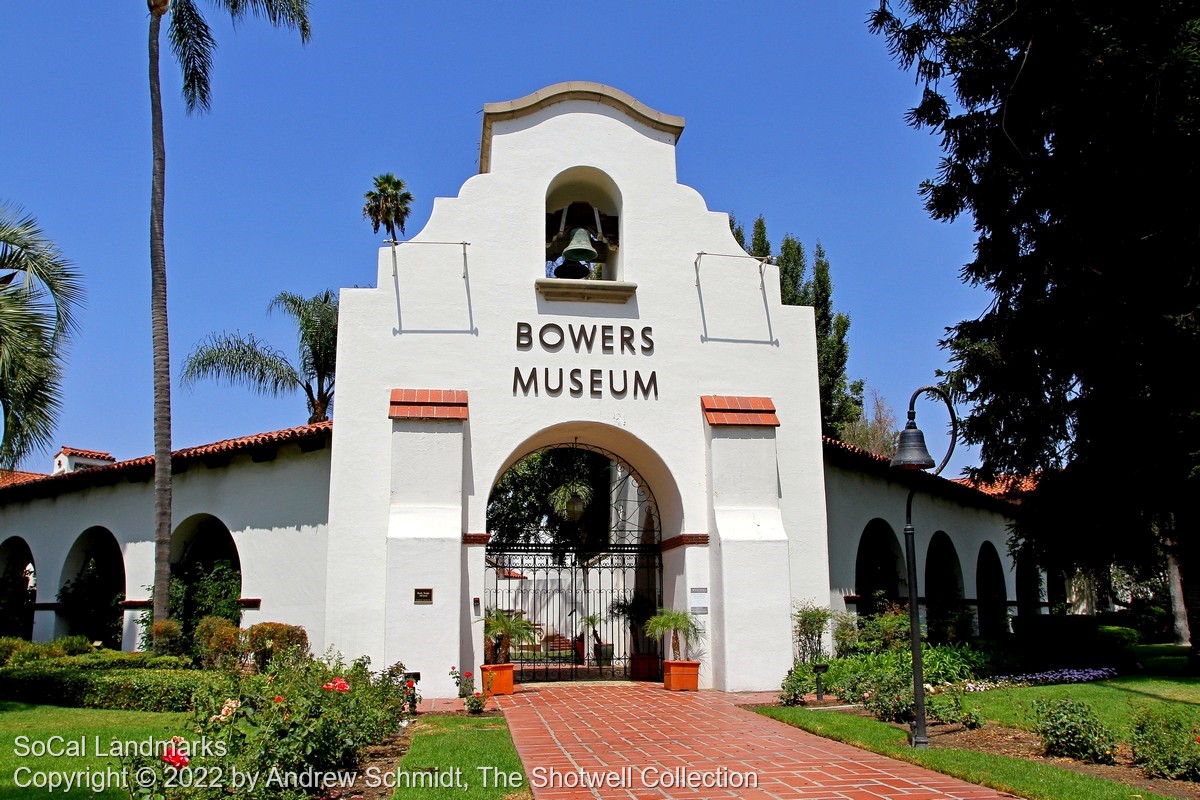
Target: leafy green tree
(739, 232)
(760, 245)
(793, 263)
(841, 398)
(1069, 135)
(193, 45)
(248, 361)
(387, 204)
(39, 294)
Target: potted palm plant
(635, 610)
(602, 651)
(503, 630)
(679, 675)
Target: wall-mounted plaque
(699, 604)
(422, 597)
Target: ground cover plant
(40, 722)
(442, 744)
(1033, 780)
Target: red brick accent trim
(476, 538)
(683, 540)
(428, 404)
(730, 410)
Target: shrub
(8, 646)
(948, 708)
(301, 714)
(126, 690)
(951, 663)
(799, 682)
(809, 622)
(219, 643)
(889, 696)
(475, 703)
(1070, 728)
(166, 638)
(268, 639)
(34, 651)
(1117, 636)
(74, 645)
(91, 605)
(1164, 743)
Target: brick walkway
(613, 731)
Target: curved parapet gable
(573, 90)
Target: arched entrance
(92, 588)
(947, 617)
(879, 572)
(18, 588)
(991, 593)
(206, 572)
(574, 548)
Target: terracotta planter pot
(497, 679)
(681, 676)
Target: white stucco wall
(275, 511)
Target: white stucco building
(671, 363)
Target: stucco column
(423, 613)
(751, 592)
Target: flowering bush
(800, 681)
(301, 714)
(1038, 679)
(475, 703)
(1070, 728)
(948, 709)
(464, 682)
(1165, 743)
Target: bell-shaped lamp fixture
(911, 452)
(580, 247)
(575, 507)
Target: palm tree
(679, 624)
(251, 362)
(193, 44)
(387, 205)
(39, 292)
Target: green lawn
(445, 747)
(1027, 779)
(1163, 659)
(24, 727)
(1113, 700)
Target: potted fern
(679, 675)
(503, 630)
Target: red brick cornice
(428, 404)
(732, 410)
(683, 540)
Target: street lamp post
(912, 454)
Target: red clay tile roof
(79, 451)
(314, 436)
(1010, 486)
(849, 456)
(8, 477)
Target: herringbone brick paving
(609, 733)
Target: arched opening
(18, 588)
(990, 593)
(91, 589)
(879, 571)
(1029, 586)
(947, 617)
(583, 225)
(574, 549)
(206, 573)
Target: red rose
(175, 757)
(466, 674)
(278, 698)
(411, 684)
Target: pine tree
(793, 263)
(739, 232)
(760, 245)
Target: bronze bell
(911, 452)
(580, 247)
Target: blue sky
(793, 111)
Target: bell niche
(583, 226)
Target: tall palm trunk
(158, 328)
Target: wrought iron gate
(587, 591)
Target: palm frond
(30, 396)
(47, 276)
(193, 44)
(290, 14)
(241, 361)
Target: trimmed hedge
(145, 689)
